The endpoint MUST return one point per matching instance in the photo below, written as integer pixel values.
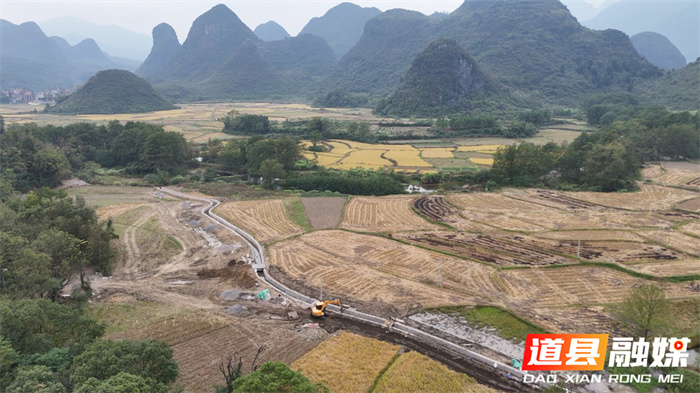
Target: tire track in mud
(133, 251)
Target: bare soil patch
(200, 340)
(324, 212)
(692, 205)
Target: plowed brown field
(324, 212)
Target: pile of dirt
(312, 333)
(236, 309)
(240, 275)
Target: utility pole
(321, 298)
(578, 250)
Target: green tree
(8, 360)
(269, 170)
(39, 325)
(277, 377)
(66, 259)
(104, 358)
(644, 312)
(164, 151)
(122, 383)
(609, 167)
(314, 137)
(36, 379)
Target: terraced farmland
(367, 268)
(574, 285)
(650, 197)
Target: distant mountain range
(678, 20)
(533, 46)
(115, 40)
(223, 59)
(165, 44)
(31, 60)
(528, 53)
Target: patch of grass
(119, 316)
(165, 245)
(508, 325)
(237, 192)
(297, 214)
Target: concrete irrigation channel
(484, 369)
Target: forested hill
(678, 89)
(535, 46)
(112, 91)
(443, 79)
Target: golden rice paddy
(350, 154)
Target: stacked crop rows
(383, 214)
(265, 220)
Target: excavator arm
(318, 309)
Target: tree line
(608, 159)
(48, 343)
(36, 156)
(524, 125)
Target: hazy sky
(142, 16)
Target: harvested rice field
(376, 214)
(670, 268)
(369, 268)
(575, 285)
(650, 197)
(266, 220)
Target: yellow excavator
(317, 310)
